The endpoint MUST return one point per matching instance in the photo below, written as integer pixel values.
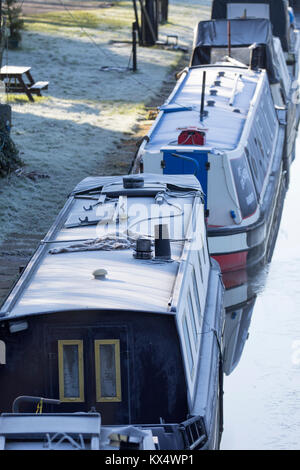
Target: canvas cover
(278, 16)
(213, 34)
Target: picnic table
(18, 79)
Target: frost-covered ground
(70, 134)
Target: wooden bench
(38, 86)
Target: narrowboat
(117, 323)
(221, 124)
(251, 42)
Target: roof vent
(99, 273)
(217, 83)
(213, 92)
(143, 249)
(130, 182)
(162, 242)
(211, 103)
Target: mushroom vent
(143, 249)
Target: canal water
(262, 394)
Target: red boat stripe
(232, 261)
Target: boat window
(188, 346)
(258, 172)
(203, 250)
(254, 167)
(218, 54)
(244, 186)
(200, 265)
(70, 365)
(192, 317)
(248, 10)
(2, 353)
(108, 372)
(196, 296)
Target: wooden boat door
(88, 370)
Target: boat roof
(243, 33)
(65, 282)
(278, 14)
(224, 123)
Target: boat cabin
(120, 311)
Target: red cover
(191, 137)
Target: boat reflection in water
(240, 297)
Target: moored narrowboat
(251, 42)
(119, 313)
(220, 124)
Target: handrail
(30, 399)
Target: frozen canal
(262, 395)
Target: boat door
(88, 369)
(187, 163)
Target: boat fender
(234, 217)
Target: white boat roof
(65, 281)
(225, 122)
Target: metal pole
(202, 96)
(134, 61)
(137, 21)
(229, 37)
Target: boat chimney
(143, 249)
(162, 242)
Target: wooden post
(148, 23)
(164, 4)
